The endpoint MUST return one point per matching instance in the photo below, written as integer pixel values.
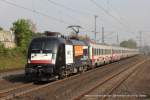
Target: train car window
(108, 51)
(102, 51)
(97, 52)
(94, 51)
(105, 51)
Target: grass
(12, 62)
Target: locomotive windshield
(36, 44)
(47, 45)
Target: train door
(68, 54)
(91, 54)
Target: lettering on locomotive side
(78, 50)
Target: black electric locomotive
(51, 57)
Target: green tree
(2, 48)
(23, 33)
(1, 28)
(129, 44)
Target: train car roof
(95, 45)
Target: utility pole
(95, 31)
(108, 5)
(117, 40)
(140, 41)
(103, 35)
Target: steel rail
(23, 92)
(14, 88)
(137, 66)
(106, 80)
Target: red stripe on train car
(41, 61)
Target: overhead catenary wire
(120, 17)
(69, 8)
(56, 4)
(35, 11)
(109, 14)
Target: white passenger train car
(102, 54)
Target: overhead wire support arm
(75, 28)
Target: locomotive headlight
(29, 61)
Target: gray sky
(125, 17)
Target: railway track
(15, 91)
(129, 70)
(27, 88)
(137, 66)
(20, 90)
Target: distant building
(8, 39)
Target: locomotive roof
(77, 42)
(56, 39)
(63, 40)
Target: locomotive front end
(41, 59)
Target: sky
(123, 17)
